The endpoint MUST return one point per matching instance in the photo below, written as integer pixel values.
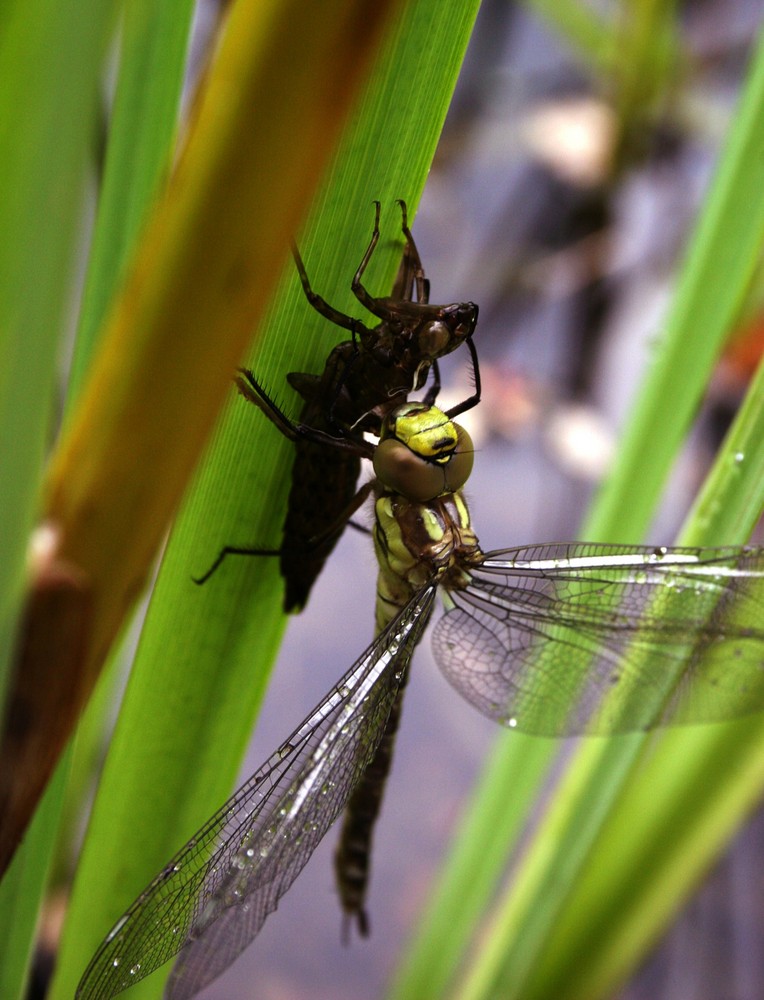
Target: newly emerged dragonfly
(554, 640)
(364, 378)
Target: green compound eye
(425, 461)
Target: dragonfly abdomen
(323, 481)
(353, 854)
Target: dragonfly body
(417, 542)
(559, 639)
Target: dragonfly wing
(210, 901)
(599, 639)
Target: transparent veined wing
(574, 639)
(212, 898)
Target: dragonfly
(363, 379)
(554, 640)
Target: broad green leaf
(47, 134)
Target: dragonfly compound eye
(428, 463)
(459, 467)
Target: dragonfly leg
(411, 271)
(474, 399)
(356, 283)
(320, 304)
(375, 306)
(433, 392)
(360, 527)
(254, 393)
(306, 545)
(232, 550)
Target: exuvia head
(422, 454)
(454, 324)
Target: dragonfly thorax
(420, 543)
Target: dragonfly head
(422, 453)
(454, 324)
